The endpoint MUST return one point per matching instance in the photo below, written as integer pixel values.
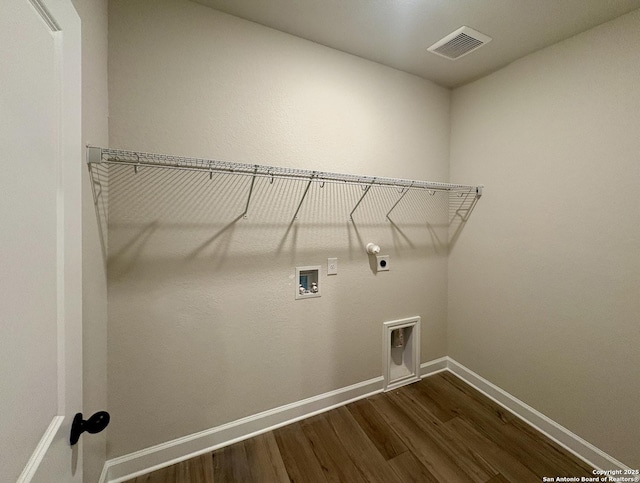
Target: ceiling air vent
(459, 43)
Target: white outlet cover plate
(332, 266)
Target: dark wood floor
(436, 430)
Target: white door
(40, 240)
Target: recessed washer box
(308, 282)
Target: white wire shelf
(140, 160)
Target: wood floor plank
(438, 406)
(231, 464)
(198, 469)
(164, 475)
(265, 459)
(298, 456)
(461, 397)
(488, 419)
(562, 460)
(361, 449)
(465, 456)
(420, 442)
(410, 470)
(501, 479)
(380, 433)
(472, 407)
(332, 455)
(531, 451)
(508, 466)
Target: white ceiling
(397, 33)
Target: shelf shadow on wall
(431, 208)
(218, 234)
(193, 215)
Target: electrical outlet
(383, 263)
(332, 266)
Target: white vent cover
(459, 43)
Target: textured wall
(543, 286)
(94, 17)
(203, 325)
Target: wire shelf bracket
(366, 190)
(304, 195)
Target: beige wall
(203, 325)
(94, 17)
(543, 284)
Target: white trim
(104, 473)
(45, 15)
(433, 367)
(40, 452)
(156, 457)
(414, 371)
(554, 431)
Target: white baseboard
(433, 367)
(156, 457)
(554, 431)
